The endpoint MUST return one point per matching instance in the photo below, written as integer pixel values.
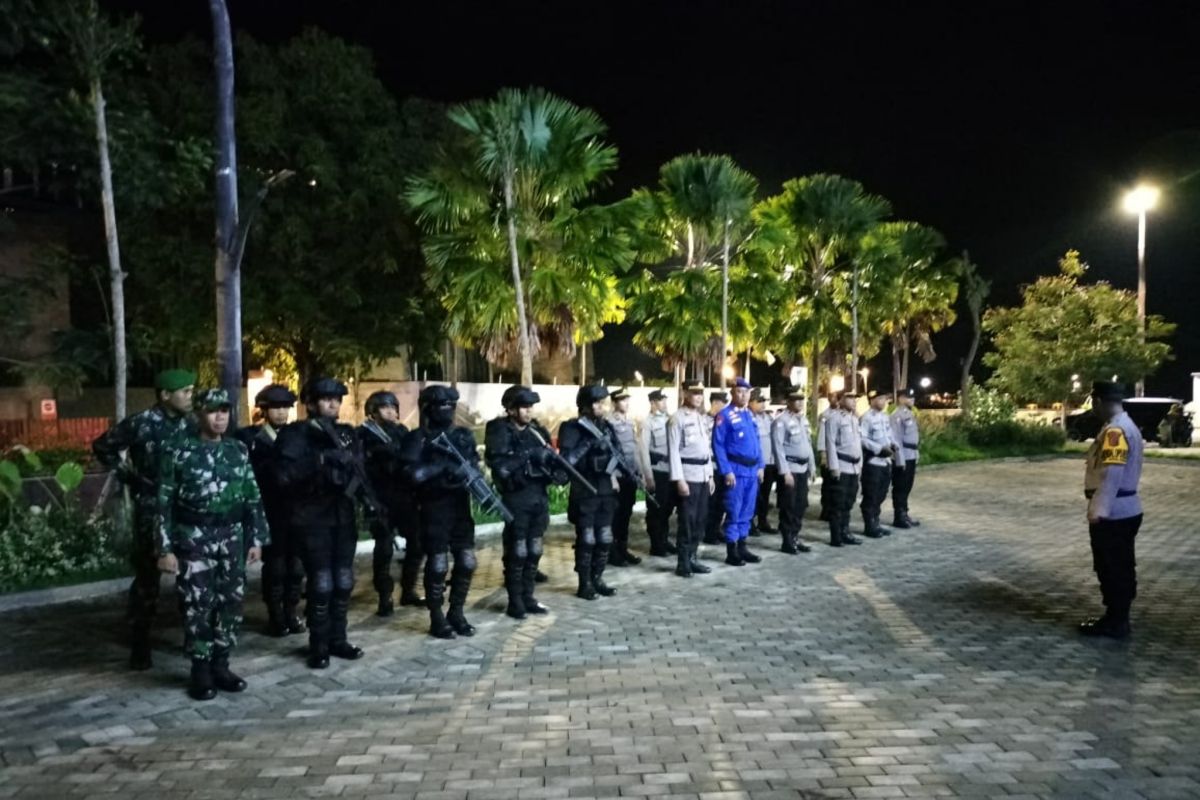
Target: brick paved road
(935, 663)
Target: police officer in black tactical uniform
(522, 465)
(587, 443)
(283, 568)
(319, 468)
(443, 506)
(380, 436)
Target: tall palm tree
(811, 232)
(526, 157)
(975, 289)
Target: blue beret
(742, 383)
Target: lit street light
(866, 376)
(1138, 201)
(926, 383)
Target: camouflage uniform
(208, 509)
(145, 435)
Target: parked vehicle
(1146, 413)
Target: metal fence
(38, 435)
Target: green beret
(172, 380)
(212, 400)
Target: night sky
(1012, 128)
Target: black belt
(911, 445)
(695, 462)
(744, 461)
(796, 459)
(657, 458)
(189, 516)
(848, 459)
(1090, 493)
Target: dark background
(1012, 128)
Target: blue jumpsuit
(737, 449)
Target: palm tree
(527, 157)
(811, 232)
(975, 288)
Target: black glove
(541, 457)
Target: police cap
(437, 395)
(871, 395)
(322, 386)
(1109, 391)
(794, 393)
(657, 395)
(619, 394)
(587, 395)
(722, 397)
(519, 397)
(756, 396)
(275, 396)
(378, 400)
(906, 393)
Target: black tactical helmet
(317, 388)
(590, 394)
(379, 399)
(519, 397)
(437, 395)
(275, 396)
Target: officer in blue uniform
(738, 452)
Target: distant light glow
(926, 383)
(837, 382)
(1141, 199)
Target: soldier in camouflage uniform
(208, 510)
(145, 436)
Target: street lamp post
(1139, 201)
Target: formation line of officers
(208, 501)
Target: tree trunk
(583, 364)
(116, 276)
(522, 319)
(854, 332)
(725, 299)
(905, 353)
(814, 375)
(964, 401)
(897, 384)
(228, 274)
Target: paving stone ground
(934, 663)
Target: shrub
(989, 407)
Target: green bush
(955, 439)
(990, 407)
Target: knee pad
(465, 560)
(535, 547)
(520, 549)
(343, 579)
(587, 536)
(322, 582)
(438, 563)
(604, 536)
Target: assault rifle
(476, 484)
(617, 459)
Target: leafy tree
(1066, 334)
(514, 254)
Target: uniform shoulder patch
(1114, 449)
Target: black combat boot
(733, 556)
(515, 586)
(338, 646)
(318, 633)
(435, 591)
(847, 538)
(276, 624)
(460, 585)
(528, 581)
(1108, 626)
(583, 566)
(744, 552)
(670, 547)
(222, 677)
(292, 619)
(386, 607)
(683, 565)
(765, 527)
(409, 572)
(871, 527)
(912, 523)
(899, 522)
(201, 687)
(789, 544)
(140, 657)
(599, 560)
(698, 567)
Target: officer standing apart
(1114, 512)
(587, 443)
(879, 449)
(827, 481)
(210, 522)
(656, 468)
(523, 465)
(792, 445)
(689, 446)
(147, 436)
(622, 425)
(739, 460)
(443, 506)
(283, 568)
(379, 437)
(716, 503)
(843, 462)
(762, 418)
(319, 465)
(907, 435)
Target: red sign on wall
(49, 410)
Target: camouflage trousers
(143, 557)
(211, 584)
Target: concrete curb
(88, 591)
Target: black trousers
(902, 484)
(447, 529)
(793, 502)
(381, 557)
(1115, 564)
(693, 517)
(658, 517)
(843, 493)
(282, 568)
(716, 511)
(593, 533)
(522, 539)
(626, 497)
(763, 504)
(875, 480)
(827, 493)
(329, 568)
